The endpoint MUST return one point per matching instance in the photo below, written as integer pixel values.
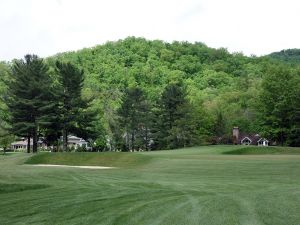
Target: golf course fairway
(209, 185)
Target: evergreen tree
(29, 98)
(72, 108)
(176, 125)
(185, 130)
(85, 123)
(134, 117)
(52, 130)
(147, 121)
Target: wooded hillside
(219, 90)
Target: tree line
(41, 105)
(146, 95)
(168, 123)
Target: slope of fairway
(254, 150)
(188, 186)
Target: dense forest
(291, 56)
(146, 95)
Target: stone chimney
(235, 135)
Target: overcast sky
(46, 27)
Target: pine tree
(52, 129)
(134, 119)
(172, 99)
(177, 123)
(85, 123)
(72, 108)
(29, 98)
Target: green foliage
(6, 138)
(279, 102)
(222, 90)
(134, 118)
(288, 55)
(72, 113)
(177, 121)
(216, 82)
(29, 100)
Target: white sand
(83, 167)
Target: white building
(23, 142)
(75, 142)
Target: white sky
(46, 27)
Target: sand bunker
(83, 167)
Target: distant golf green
(209, 185)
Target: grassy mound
(255, 150)
(114, 159)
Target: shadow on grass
(9, 188)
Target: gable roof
(252, 137)
(263, 139)
(75, 140)
(245, 139)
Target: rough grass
(255, 150)
(189, 186)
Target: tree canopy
(218, 90)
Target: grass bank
(255, 150)
(114, 159)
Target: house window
(263, 142)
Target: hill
(220, 84)
(226, 89)
(221, 89)
(288, 55)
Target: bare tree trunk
(65, 139)
(281, 137)
(34, 139)
(146, 139)
(57, 146)
(28, 143)
(132, 141)
(127, 141)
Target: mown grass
(113, 159)
(255, 150)
(188, 186)
(8, 188)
